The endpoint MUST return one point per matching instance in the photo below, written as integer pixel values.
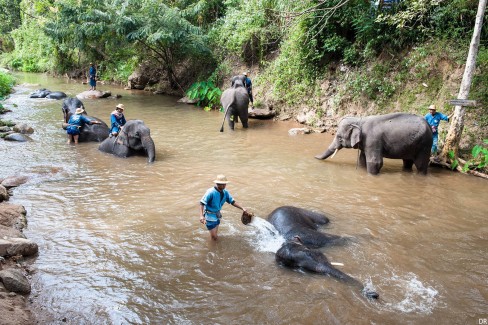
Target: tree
(457, 125)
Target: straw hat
(120, 106)
(79, 110)
(432, 107)
(221, 179)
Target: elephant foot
(370, 294)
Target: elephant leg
(407, 164)
(244, 123)
(422, 163)
(362, 159)
(231, 122)
(374, 162)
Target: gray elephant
(395, 136)
(295, 254)
(134, 139)
(300, 229)
(88, 132)
(235, 102)
(292, 221)
(40, 93)
(56, 95)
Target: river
(120, 239)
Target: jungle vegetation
(381, 51)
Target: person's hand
(202, 219)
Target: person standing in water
(212, 202)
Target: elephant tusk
(336, 263)
(334, 153)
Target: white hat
(221, 179)
(79, 110)
(244, 73)
(120, 106)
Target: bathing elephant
(89, 132)
(56, 95)
(300, 229)
(235, 102)
(396, 136)
(292, 221)
(133, 139)
(40, 93)
(295, 254)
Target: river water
(120, 240)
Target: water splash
(267, 238)
(418, 298)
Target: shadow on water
(120, 241)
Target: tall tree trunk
(457, 125)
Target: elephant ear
(355, 135)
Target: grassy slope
(409, 82)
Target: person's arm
(237, 205)
(202, 208)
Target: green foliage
(207, 93)
(7, 82)
(479, 157)
(480, 79)
(33, 49)
(250, 29)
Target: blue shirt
(92, 72)
(434, 120)
(78, 120)
(213, 201)
(117, 122)
(248, 83)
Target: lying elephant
(88, 132)
(45, 93)
(235, 102)
(296, 254)
(40, 93)
(395, 136)
(56, 95)
(133, 139)
(292, 221)
(299, 227)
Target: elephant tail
(225, 114)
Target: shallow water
(121, 243)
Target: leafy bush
(207, 94)
(478, 160)
(7, 82)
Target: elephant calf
(300, 229)
(133, 139)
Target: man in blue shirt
(76, 122)
(212, 202)
(117, 120)
(92, 73)
(248, 85)
(434, 118)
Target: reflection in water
(120, 240)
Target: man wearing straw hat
(76, 121)
(212, 202)
(117, 120)
(434, 118)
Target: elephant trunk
(331, 151)
(148, 144)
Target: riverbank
(14, 249)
